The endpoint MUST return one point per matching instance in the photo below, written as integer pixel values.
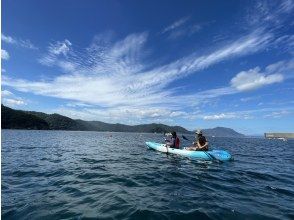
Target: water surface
(76, 175)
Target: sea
(108, 175)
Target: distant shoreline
(31, 120)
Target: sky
(197, 64)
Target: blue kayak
(221, 155)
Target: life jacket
(177, 143)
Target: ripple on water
(73, 175)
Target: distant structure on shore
(281, 136)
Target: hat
(198, 131)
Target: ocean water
(83, 175)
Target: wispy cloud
(182, 27)
(6, 93)
(184, 31)
(8, 39)
(4, 55)
(116, 76)
(278, 114)
(18, 42)
(111, 75)
(60, 47)
(220, 116)
(176, 24)
(250, 114)
(57, 56)
(270, 14)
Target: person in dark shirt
(201, 144)
(174, 142)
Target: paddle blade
(184, 138)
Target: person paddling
(174, 142)
(201, 144)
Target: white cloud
(220, 116)
(6, 93)
(18, 42)
(112, 75)
(253, 79)
(8, 39)
(13, 102)
(4, 55)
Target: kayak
(221, 155)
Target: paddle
(208, 154)
(165, 143)
(185, 138)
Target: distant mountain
(221, 132)
(60, 122)
(17, 119)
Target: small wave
(283, 191)
(261, 176)
(149, 214)
(30, 173)
(72, 191)
(91, 175)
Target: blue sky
(198, 64)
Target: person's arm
(167, 141)
(193, 147)
(204, 147)
(170, 143)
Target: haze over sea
(73, 175)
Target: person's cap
(198, 131)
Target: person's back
(202, 143)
